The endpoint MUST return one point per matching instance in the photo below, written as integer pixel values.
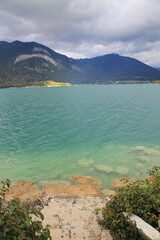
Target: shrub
(16, 219)
(141, 198)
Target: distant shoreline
(89, 84)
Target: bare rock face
(77, 179)
(24, 191)
(121, 182)
(38, 204)
(77, 190)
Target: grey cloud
(85, 28)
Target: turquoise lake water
(104, 131)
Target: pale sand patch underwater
(86, 162)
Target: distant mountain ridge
(31, 63)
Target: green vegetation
(97, 211)
(56, 84)
(141, 198)
(16, 219)
(49, 65)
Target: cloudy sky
(86, 28)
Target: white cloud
(150, 57)
(85, 28)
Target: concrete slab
(72, 217)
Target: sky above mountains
(86, 28)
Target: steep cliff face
(31, 63)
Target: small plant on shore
(141, 198)
(97, 211)
(74, 202)
(16, 219)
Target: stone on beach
(77, 190)
(39, 203)
(77, 179)
(85, 162)
(121, 182)
(104, 168)
(24, 191)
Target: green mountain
(31, 63)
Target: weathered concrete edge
(144, 229)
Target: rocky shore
(84, 186)
(72, 211)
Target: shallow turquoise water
(50, 133)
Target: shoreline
(84, 186)
(101, 176)
(89, 84)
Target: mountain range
(31, 63)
